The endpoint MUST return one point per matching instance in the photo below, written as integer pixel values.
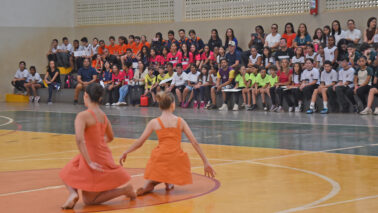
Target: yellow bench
(64, 71)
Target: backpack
(70, 81)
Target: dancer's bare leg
(149, 187)
(95, 198)
(169, 187)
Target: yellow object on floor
(64, 70)
(14, 98)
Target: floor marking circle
(10, 120)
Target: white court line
(10, 120)
(45, 188)
(342, 202)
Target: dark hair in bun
(95, 92)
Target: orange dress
(79, 175)
(168, 162)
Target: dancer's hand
(96, 166)
(123, 159)
(209, 171)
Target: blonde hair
(165, 99)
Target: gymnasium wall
(29, 38)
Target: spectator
(252, 86)
(293, 90)
(63, 54)
(371, 30)
(164, 56)
(187, 56)
(255, 57)
(51, 54)
(196, 41)
(122, 46)
(225, 80)
(353, 55)
(272, 87)
(191, 82)
(214, 40)
(362, 80)
(106, 81)
(207, 57)
(111, 58)
(85, 76)
(262, 82)
(183, 39)
(302, 38)
(20, 77)
(327, 34)
(267, 58)
(94, 47)
(128, 76)
(195, 57)
(144, 41)
(372, 93)
(331, 52)
(273, 39)
(101, 47)
(310, 51)
(178, 83)
(221, 54)
(118, 79)
(283, 52)
(144, 56)
(174, 56)
(52, 79)
(230, 36)
(337, 32)
(202, 89)
(33, 82)
(171, 40)
(149, 82)
(289, 34)
(257, 39)
(298, 57)
(309, 79)
(342, 49)
(318, 38)
(284, 80)
(319, 57)
(352, 34)
(233, 55)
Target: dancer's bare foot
(129, 192)
(140, 191)
(169, 187)
(71, 201)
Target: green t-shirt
(240, 81)
(252, 78)
(272, 80)
(262, 81)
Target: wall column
(179, 10)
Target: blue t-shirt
(87, 73)
(231, 58)
(302, 41)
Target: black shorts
(181, 88)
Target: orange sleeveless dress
(168, 162)
(79, 175)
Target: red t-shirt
(118, 79)
(282, 77)
(157, 60)
(185, 60)
(129, 75)
(204, 57)
(193, 59)
(289, 38)
(174, 59)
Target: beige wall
(31, 44)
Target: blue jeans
(51, 87)
(123, 92)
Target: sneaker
(185, 105)
(279, 109)
(273, 108)
(265, 107)
(367, 111)
(202, 105)
(208, 105)
(291, 109)
(376, 111)
(223, 108)
(122, 103)
(25, 93)
(49, 103)
(114, 104)
(195, 105)
(75, 102)
(236, 107)
(107, 104)
(297, 109)
(249, 108)
(212, 106)
(324, 111)
(36, 99)
(253, 107)
(31, 98)
(310, 111)
(355, 109)
(242, 106)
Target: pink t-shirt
(282, 77)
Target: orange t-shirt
(136, 47)
(122, 49)
(101, 50)
(289, 38)
(113, 49)
(146, 44)
(99, 66)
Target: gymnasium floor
(265, 162)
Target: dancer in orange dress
(93, 171)
(168, 164)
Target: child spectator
(319, 57)
(118, 79)
(64, 52)
(309, 79)
(52, 79)
(20, 77)
(178, 83)
(149, 83)
(174, 56)
(186, 56)
(202, 88)
(33, 82)
(299, 56)
(252, 85)
(328, 78)
(106, 81)
(207, 57)
(372, 93)
(284, 80)
(262, 82)
(241, 80)
(171, 40)
(331, 52)
(310, 52)
(362, 80)
(267, 58)
(272, 87)
(124, 89)
(112, 47)
(254, 58)
(293, 90)
(51, 54)
(191, 82)
(196, 41)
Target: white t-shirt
(192, 77)
(347, 75)
(310, 75)
(329, 53)
(319, 59)
(310, 56)
(375, 38)
(355, 34)
(88, 50)
(66, 47)
(36, 77)
(328, 77)
(338, 37)
(179, 80)
(294, 60)
(254, 60)
(22, 74)
(296, 79)
(94, 49)
(272, 40)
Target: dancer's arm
(147, 132)
(109, 132)
(80, 141)
(209, 171)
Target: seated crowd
(337, 66)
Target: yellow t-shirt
(160, 78)
(230, 75)
(149, 81)
(262, 81)
(252, 78)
